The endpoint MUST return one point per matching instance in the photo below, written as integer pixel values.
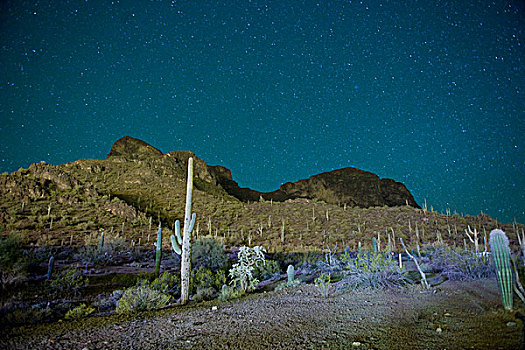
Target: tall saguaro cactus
(158, 252)
(182, 245)
(499, 245)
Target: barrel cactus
(499, 245)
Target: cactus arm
(192, 222)
(175, 246)
(177, 232)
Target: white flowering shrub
(242, 272)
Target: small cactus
(101, 244)
(50, 266)
(291, 273)
(374, 244)
(499, 245)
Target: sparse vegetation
(459, 264)
(68, 282)
(373, 270)
(80, 311)
(323, 284)
(141, 298)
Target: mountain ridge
(345, 186)
(137, 188)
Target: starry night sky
(429, 93)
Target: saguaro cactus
(158, 252)
(50, 266)
(499, 245)
(182, 245)
(101, 243)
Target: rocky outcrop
(130, 147)
(349, 186)
(223, 177)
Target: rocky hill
(137, 187)
(350, 186)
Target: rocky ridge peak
(128, 146)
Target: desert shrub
(141, 298)
(91, 253)
(323, 283)
(285, 285)
(204, 294)
(166, 283)
(266, 271)
(373, 270)
(104, 303)
(209, 254)
(228, 293)
(80, 311)
(35, 314)
(241, 273)
(67, 282)
(458, 264)
(204, 278)
(13, 262)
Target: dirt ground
(454, 315)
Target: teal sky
(429, 93)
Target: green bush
(322, 283)
(166, 283)
(204, 278)
(228, 293)
(208, 253)
(13, 262)
(267, 271)
(68, 282)
(141, 298)
(80, 311)
(204, 294)
(285, 285)
(33, 315)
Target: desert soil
(454, 315)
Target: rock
(130, 147)
(348, 185)
(511, 324)
(356, 344)
(439, 330)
